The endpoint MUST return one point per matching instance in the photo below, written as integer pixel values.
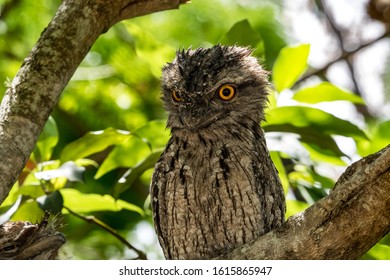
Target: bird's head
(214, 87)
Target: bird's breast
(212, 202)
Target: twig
(94, 220)
(339, 35)
(362, 108)
(344, 56)
(332, 23)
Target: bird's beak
(195, 123)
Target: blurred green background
(94, 160)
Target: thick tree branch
(343, 225)
(35, 90)
(26, 241)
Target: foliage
(96, 154)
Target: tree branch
(343, 225)
(339, 33)
(345, 55)
(110, 230)
(35, 90)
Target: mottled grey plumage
(215, 186)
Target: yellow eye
(176, 96)
(226, 92)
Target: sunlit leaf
(326, 182)
(47, 141)
(311, 194)
(68, 170)
(325, 92)
(294, 206)
(128, 154)
(386, 240)
(8, 214)
(128, 179)
(12, 196)
(322, 152)
(304, 185)
(242, 34)
(305, 121)
(318, 143)
(32, 190)
(84, 203)
(281, 170)
(86, 162)
(378, 252)
(28, 211)
(379, 138)
(315, 128)
(289, 66)
(151, 53)
(93, 142)
(154, 133)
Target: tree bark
(33, 93)
(343, 225)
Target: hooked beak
(194, 123)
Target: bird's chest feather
(212, 200)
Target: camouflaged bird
(215, 186)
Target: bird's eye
(226, 92)
(176, 96)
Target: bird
(214, 186)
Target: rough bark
(35, 90)
(343, 225)
(27, 241)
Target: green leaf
(281, 170)
(128, 179)
(294, 206)
(154, 133)
(320, 143)
(69, 170)
(289, 66)
(315, 128)
(32, 190)
(46, 141)
(306, 121)
(326, 92)
(321, 151)
(128, 154)
(28, 211)
(8, 214)
(385, 240)
(86, 162)
(52, 202)
(380, 138)
(242, 34)
(326, 182)
(84, 203)
(12, 196)
(378, 252)
(93, 142)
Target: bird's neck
(245, 132)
